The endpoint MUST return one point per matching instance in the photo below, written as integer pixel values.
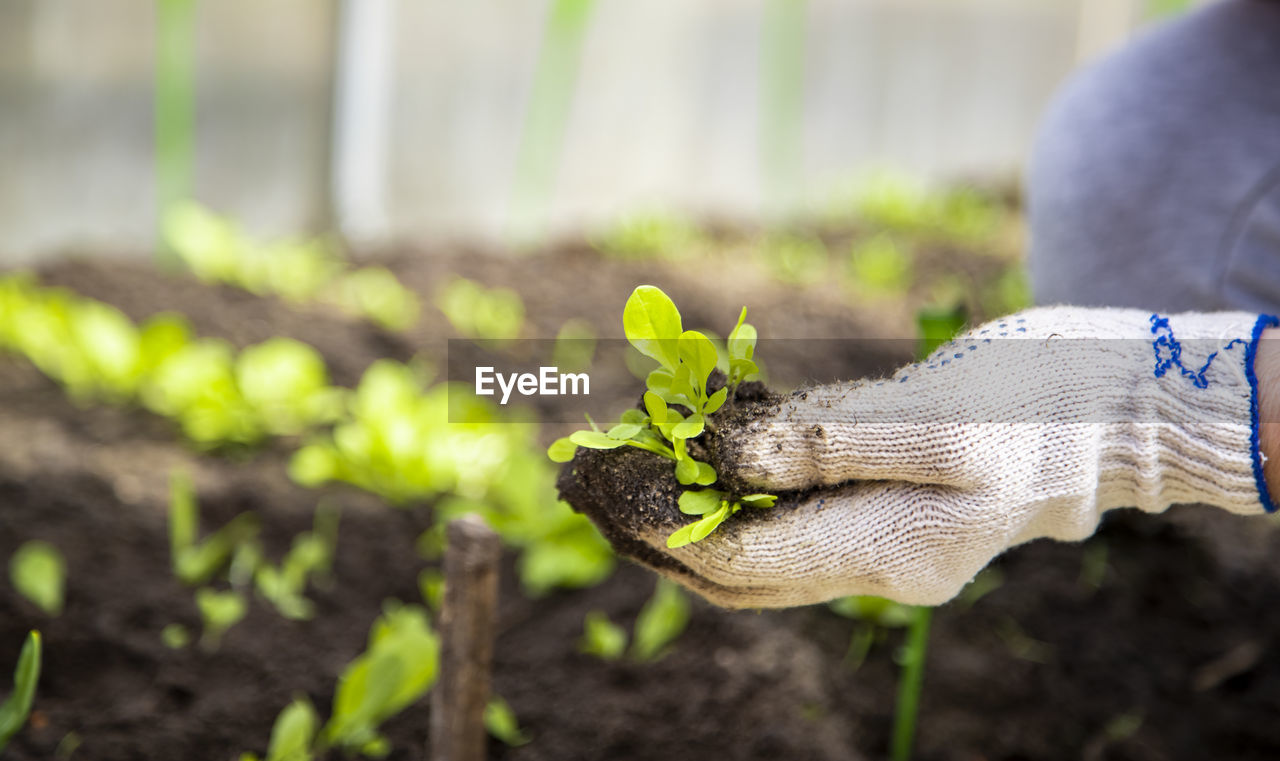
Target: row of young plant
(389, 436)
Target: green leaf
(624, 431)
(635, 416)
(699, 354)
(220, 611)
(562, 449)
(740, 369)
(700, 502)
(937, 325)
(594, 440)
(661, 620)
(691, 426)
(759, 500)
(501, 722)
(651, 323)
(706, 474)
(659, 381)
(681, 536)
(716, 401)
(686, 470)
(293, 732)
(15, 709)
(39, 574)
(656, 408)
(704, 527)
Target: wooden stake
(467, 626)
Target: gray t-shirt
(1155, 181)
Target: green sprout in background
(15, 708)
(649, 236)
(219, 611)
(476, 312)
(662, 619)
(300, 271)
(39, 574)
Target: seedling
(310, 556)
(476, 312)
(661, 620)
(15, 709)
(686, 359)
(39, 574)
(501, 722)
(601, 637)
(714, 507)
(396, 670)
(217, 250)
(219, 611)
(293, 733)
(196, 562)
(648, 236)
(175, 636)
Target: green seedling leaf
(15, 709)
(220, 611)
(759, 500)
(700, 502)
(659, 382)
(595, 440)
(431, 586)
(877, 610)
(716, 401)
(175, 636)
(704, 527)
(706, 474)
(661, 620)
(635, 416)
(197, 564)
(651, 323)
(39, 574)
(656, 408)
(293, 732)
(562, 449)
(691, 426)
(686, 470)
(681, 536)
(397, 669)
(699, 354)
(601, 637)
(500, 721)
(624, 431)
(742, 339)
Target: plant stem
(910, 682)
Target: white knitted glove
(1026, 427)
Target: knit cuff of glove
(1210, 454)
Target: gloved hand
(1026, 427)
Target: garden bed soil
(1150, 642)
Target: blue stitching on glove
(1264, 495)
(1173, 358)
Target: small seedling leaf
(661, 620)
(624, 431)
(686, 470)
(691, 426)
(716, 401)
(501, 722)
(15, 708)
(700, 502)
(759, 500)
(293, 732)
(699, 354)
(706, 475)
(39, 574)
(704, 527)
(651, 323)
(681, 536)
(656, 407)
(561, 450)
(595, 440)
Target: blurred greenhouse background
(402, 120)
